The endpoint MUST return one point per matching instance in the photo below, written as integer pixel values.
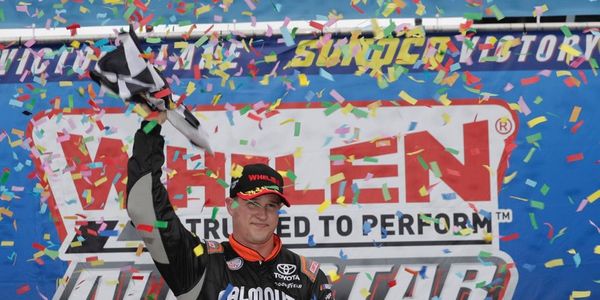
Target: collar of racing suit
(250, 254)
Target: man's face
(254, 221)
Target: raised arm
(171, 248)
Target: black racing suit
(208, 270)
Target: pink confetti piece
(524, 108)
(582, 205)
(250, 4)
(595, 226)
(509, 86)
(339, 98)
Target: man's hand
(159, 116)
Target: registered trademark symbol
(504, 126)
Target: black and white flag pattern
(124, 72)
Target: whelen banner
(419, 166)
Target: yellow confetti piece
(46, 236)
(594, 196)
(275, 105)
(562, 73)
(364, 292)
(202, 10)
(76, 244)
(139, 250)
(98, 262)
(340, 200)
(447, 118)
(575, 114)
(423, 191)
(265, 80)
(597, 249)
(444, 100)
(65, 83)
(326, 203)
(112, 282)
(190, 88)
(572, 251)
(580, 294)
(298, 152)
(554, 263)
(180, 45)
(38, 254)
(535, 121)
(7, 243)
(199, 250)
(570, 50)
(514, 106)
(236, 171)
(333, 276)
(271, 58)
(510, 177)
(336, 178)
(100, 181)
(408, 98)
(466, 231)
(290, 120)
(347, 109)
(140, 110)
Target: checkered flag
(126, 73)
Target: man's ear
(229, 203)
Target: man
(252, 265)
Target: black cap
(256, 180)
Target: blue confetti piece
(384, 233)
(325, 74)
(577, 260)
(399, 214)
(176, 155)
(287, 36)
(342, 188)
(529, 267)
(366, 227)
(342, 255)
(447, 251)
(281, 212)
(309, 96)
(448, 196)
(227, 291)
(311, 241)
(230, 117)
(109, 233)
(486, 214)
(423, 271)
(412, 126)
(530, 183)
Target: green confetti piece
(369, 276)
(359, 113)
(382, 83)
(377, 47)
(473, 16)
(565, 30)
(489, 59)
(469, 43)
(593, 63)
(291, 175)
(422, 162)
(215, 210)
(472, 90)
(243, 142)
(386, 192)
(435, 169)
(534, 138)
(297, 128)
(499, 15)
(161, 224)
(4, 177)
(538, 100)
(428, 219)
(529, 155)
(2, 15)
(537, 204)
(184, 23)
(245, 109)
(370, 159)
(51, 253)
(545, 189)
(201, 41)
(439, 77)
(153, 40)
(337, 157)
(480, 285)
(331, 109)
(485, 254)
(222, 183)
(235, 204)
(452, 150)
(158, 21)
(149, 126)
(129, 12)
(533, 221)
